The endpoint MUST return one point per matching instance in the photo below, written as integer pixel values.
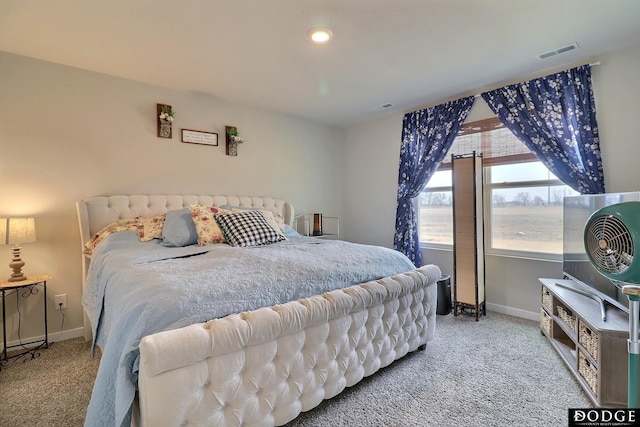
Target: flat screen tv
(575, 263)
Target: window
(435, 210)
(523, 200)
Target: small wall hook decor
(165, 116)
(233, 139)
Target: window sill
(534, 256)
(436, 247)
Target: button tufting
(315, 362)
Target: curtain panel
(555, 117)
(427, 136)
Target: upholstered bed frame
(264, 367)
(95, 213)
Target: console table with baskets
(594, 350)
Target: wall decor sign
(199, 137)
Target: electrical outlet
(61, 299)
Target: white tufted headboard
(97, 212)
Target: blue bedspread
(134, 289)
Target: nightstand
(331, 226)
(24, 289)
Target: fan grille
(610, 244)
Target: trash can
(444, 295)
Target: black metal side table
(24, 289)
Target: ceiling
(407, 53)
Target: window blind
(492, 140)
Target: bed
(224, 335)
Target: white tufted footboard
(264, 367)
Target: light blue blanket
(134, 289)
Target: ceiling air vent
(558, 51)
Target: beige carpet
(52, 389)
(499, 371)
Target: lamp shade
(14, 231)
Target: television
(575, 263)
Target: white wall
(617, 91)
(511, 283)
(67, 134)
(372, 154)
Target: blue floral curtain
(555, 117)
(427, 136)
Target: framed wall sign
(199, 137)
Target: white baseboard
(79, 332)
(529, 315)
(66, 335)
(53, 337)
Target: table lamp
(14, 231)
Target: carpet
(499, 371)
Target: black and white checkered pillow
(248, 228)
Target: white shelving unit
(593, 349)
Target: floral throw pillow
(129, 224)
(206, 226)
(150, 228)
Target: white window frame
(486, 194)
(515, 253)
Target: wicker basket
(588, 372)
(547, 299)
(545, 322)
(567, 318)
(588, 339)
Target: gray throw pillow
(179, 229)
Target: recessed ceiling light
(320, 35)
